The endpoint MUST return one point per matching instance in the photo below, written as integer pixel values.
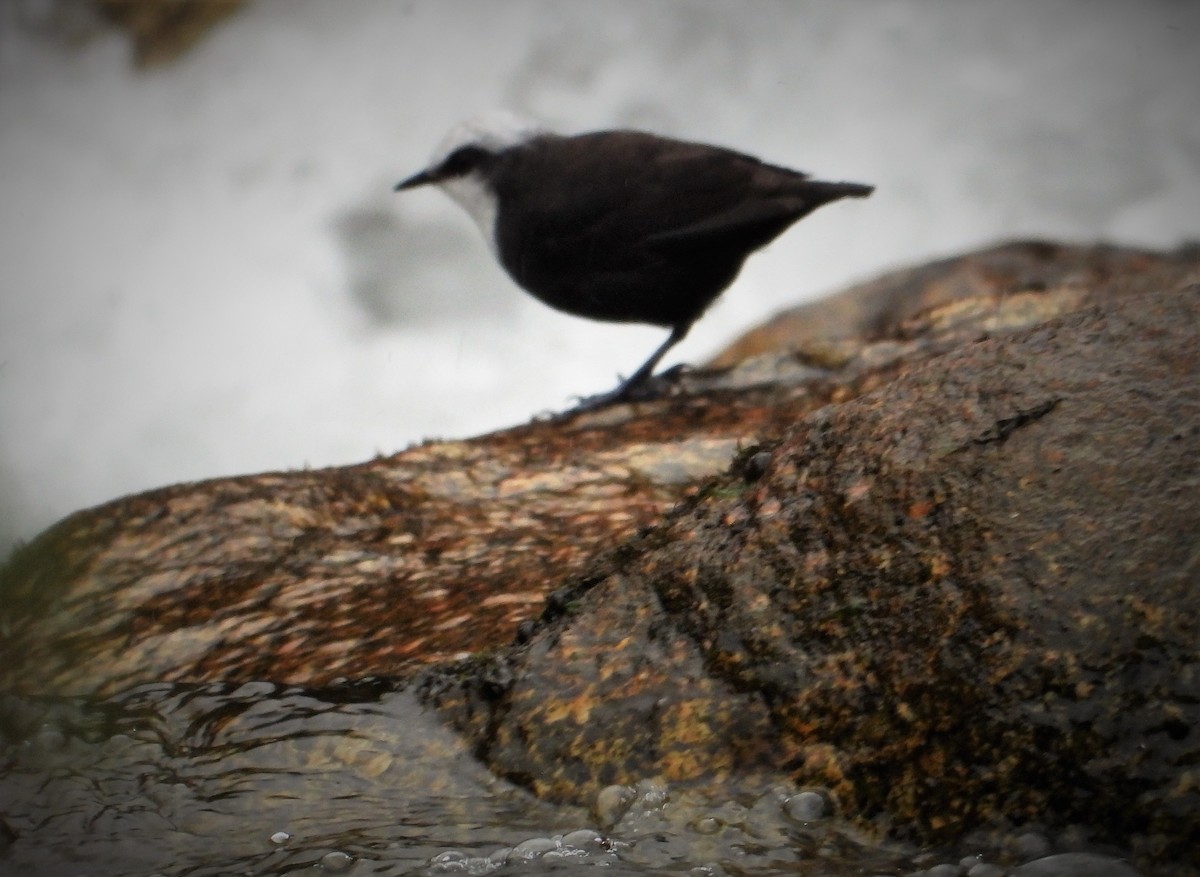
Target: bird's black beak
(420, 179)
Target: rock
(163, 30)
(950, 575)
(1045, 278)
(966, 596)
(376, 569)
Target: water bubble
(806, 806)
(534, 847)
(457, 862)
(337, 862)
(582, 839)
(280, 837)
(612, 802)
(653, 796)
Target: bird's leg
(639, 377)
(647, 368)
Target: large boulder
(941, 561)
(968, 595)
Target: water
(359, 779)
(208, 780)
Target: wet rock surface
(377, 569)
(949, 575)
(968, 595)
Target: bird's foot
(639, 388)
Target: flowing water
(359, 779)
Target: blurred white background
(204, 272)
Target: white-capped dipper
(622, 226)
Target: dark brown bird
(622, 226)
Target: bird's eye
(463, 160)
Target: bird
(620, 225)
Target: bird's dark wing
(746, 226)
(626, 185)
(776, 202)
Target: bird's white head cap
(493, 131)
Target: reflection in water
(360, 779)
(259, 779)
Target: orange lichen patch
(920, 509)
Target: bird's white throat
(472, 194)
(494, 131)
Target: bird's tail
(826, 192)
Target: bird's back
(632, 227)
